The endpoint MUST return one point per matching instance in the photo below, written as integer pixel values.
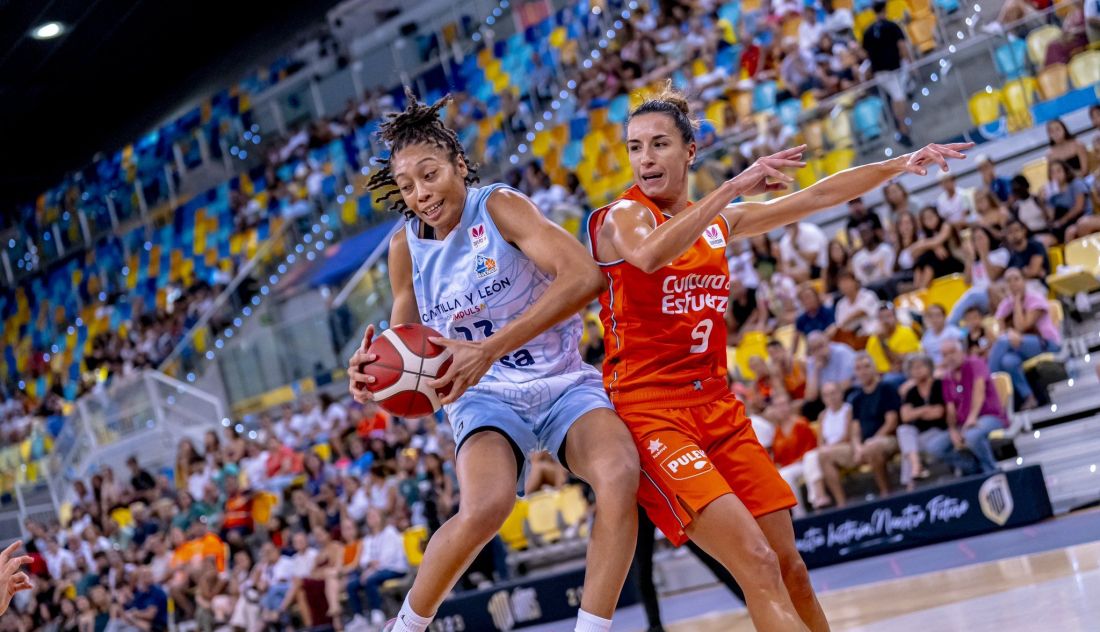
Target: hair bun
(675, 98)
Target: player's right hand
(766, 174)
(357, 379)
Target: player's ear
(691, 153)
(460, 166)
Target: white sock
(588, 622)
(409, 621)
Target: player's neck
(673, 207)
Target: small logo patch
(656, 448)
(479, 237)
(687, 462)
(485, 266)
(713, 235)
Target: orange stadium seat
(1053, 81)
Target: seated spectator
(148, 609)
(1027, 254)
(836, 263)
(802, 251)
(998, 186)
(788, 374)
(835, 427)
(955, 206)
(825, 362)
(873, 263)
(1028, 331)
(856, 312)
(890, 345)
(815, 315)
(875, 410)
(382, 559)
(973, 409)
(1065, 148)
(809, 30)
(979, 340)
(934, 252)
(298, 564)
(792, 441)
(898, 200)
(923, 415)
(1067, 200)
(838, 20)
(985, 263)
(936, 330)
(904, 238)
(860, 217)
(1029, 210)
(990, 213)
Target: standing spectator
(998, 186)
(873, 263)
(793, 440)
(973, 409)
(802, 251)
(815, 316)
(1028, 331)
(891, 344)
(954, 205)
(826, 362)
(936, 330)
(1027, 254)
(382, 558)
(875, 410)
(855, 312)
(886, 47)
(984, 265)
(923, 420)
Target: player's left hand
(12, 580)
(919, 161)
(470, 361)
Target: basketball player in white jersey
(504, 285)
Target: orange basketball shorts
(690, 456)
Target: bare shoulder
(628, 213)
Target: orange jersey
(665, 333)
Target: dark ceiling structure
(121, 68)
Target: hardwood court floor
(1053, 590)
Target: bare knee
(795, 574)
(762, 565)
(616, 476)
(481, 518)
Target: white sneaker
(993, 28)
(1081, 301)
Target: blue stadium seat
(763, 96)
(1011, 59)
(571, 155)
(788, 112)
(619, 109)
(866, 115)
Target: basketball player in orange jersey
(705, 475)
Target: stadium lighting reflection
(47, 31)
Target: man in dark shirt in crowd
(1026, 253)
(141, 480)
(886, 47)
(859, 216)
(873, 442)
(815, 315)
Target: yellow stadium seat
(922, 33)
(542, 516)
(716, 114)
(918, 8)
(1003, 382)
(1057, 314)
(789, 28)
(557, 37)
(1038, 40)
(809, 174)
(813, 134)
(742, 103)
(414, 539)
(1084, 68)
(1057, 256)
(122, 517)
(512, 529)
(838, 128)
(753, 343)
(985, 107)
(863, 20)
(1036, 174)
(896, 10)
(1018, 96)
(946, 291)
(573, 505)
(839, 160)
(699, 67)
(1053, 81)
(324, 451)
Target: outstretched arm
(753, 218)
(630, 233)
(556, 253)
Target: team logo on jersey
(714, 237)
(485, 266)
(656, 448)
(479, 238)
(687, 462)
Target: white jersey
(471, 284)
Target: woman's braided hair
(417, 123)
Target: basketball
(407, 361)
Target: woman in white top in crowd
(985, 262)
(833, 426)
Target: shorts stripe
(665, 496)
